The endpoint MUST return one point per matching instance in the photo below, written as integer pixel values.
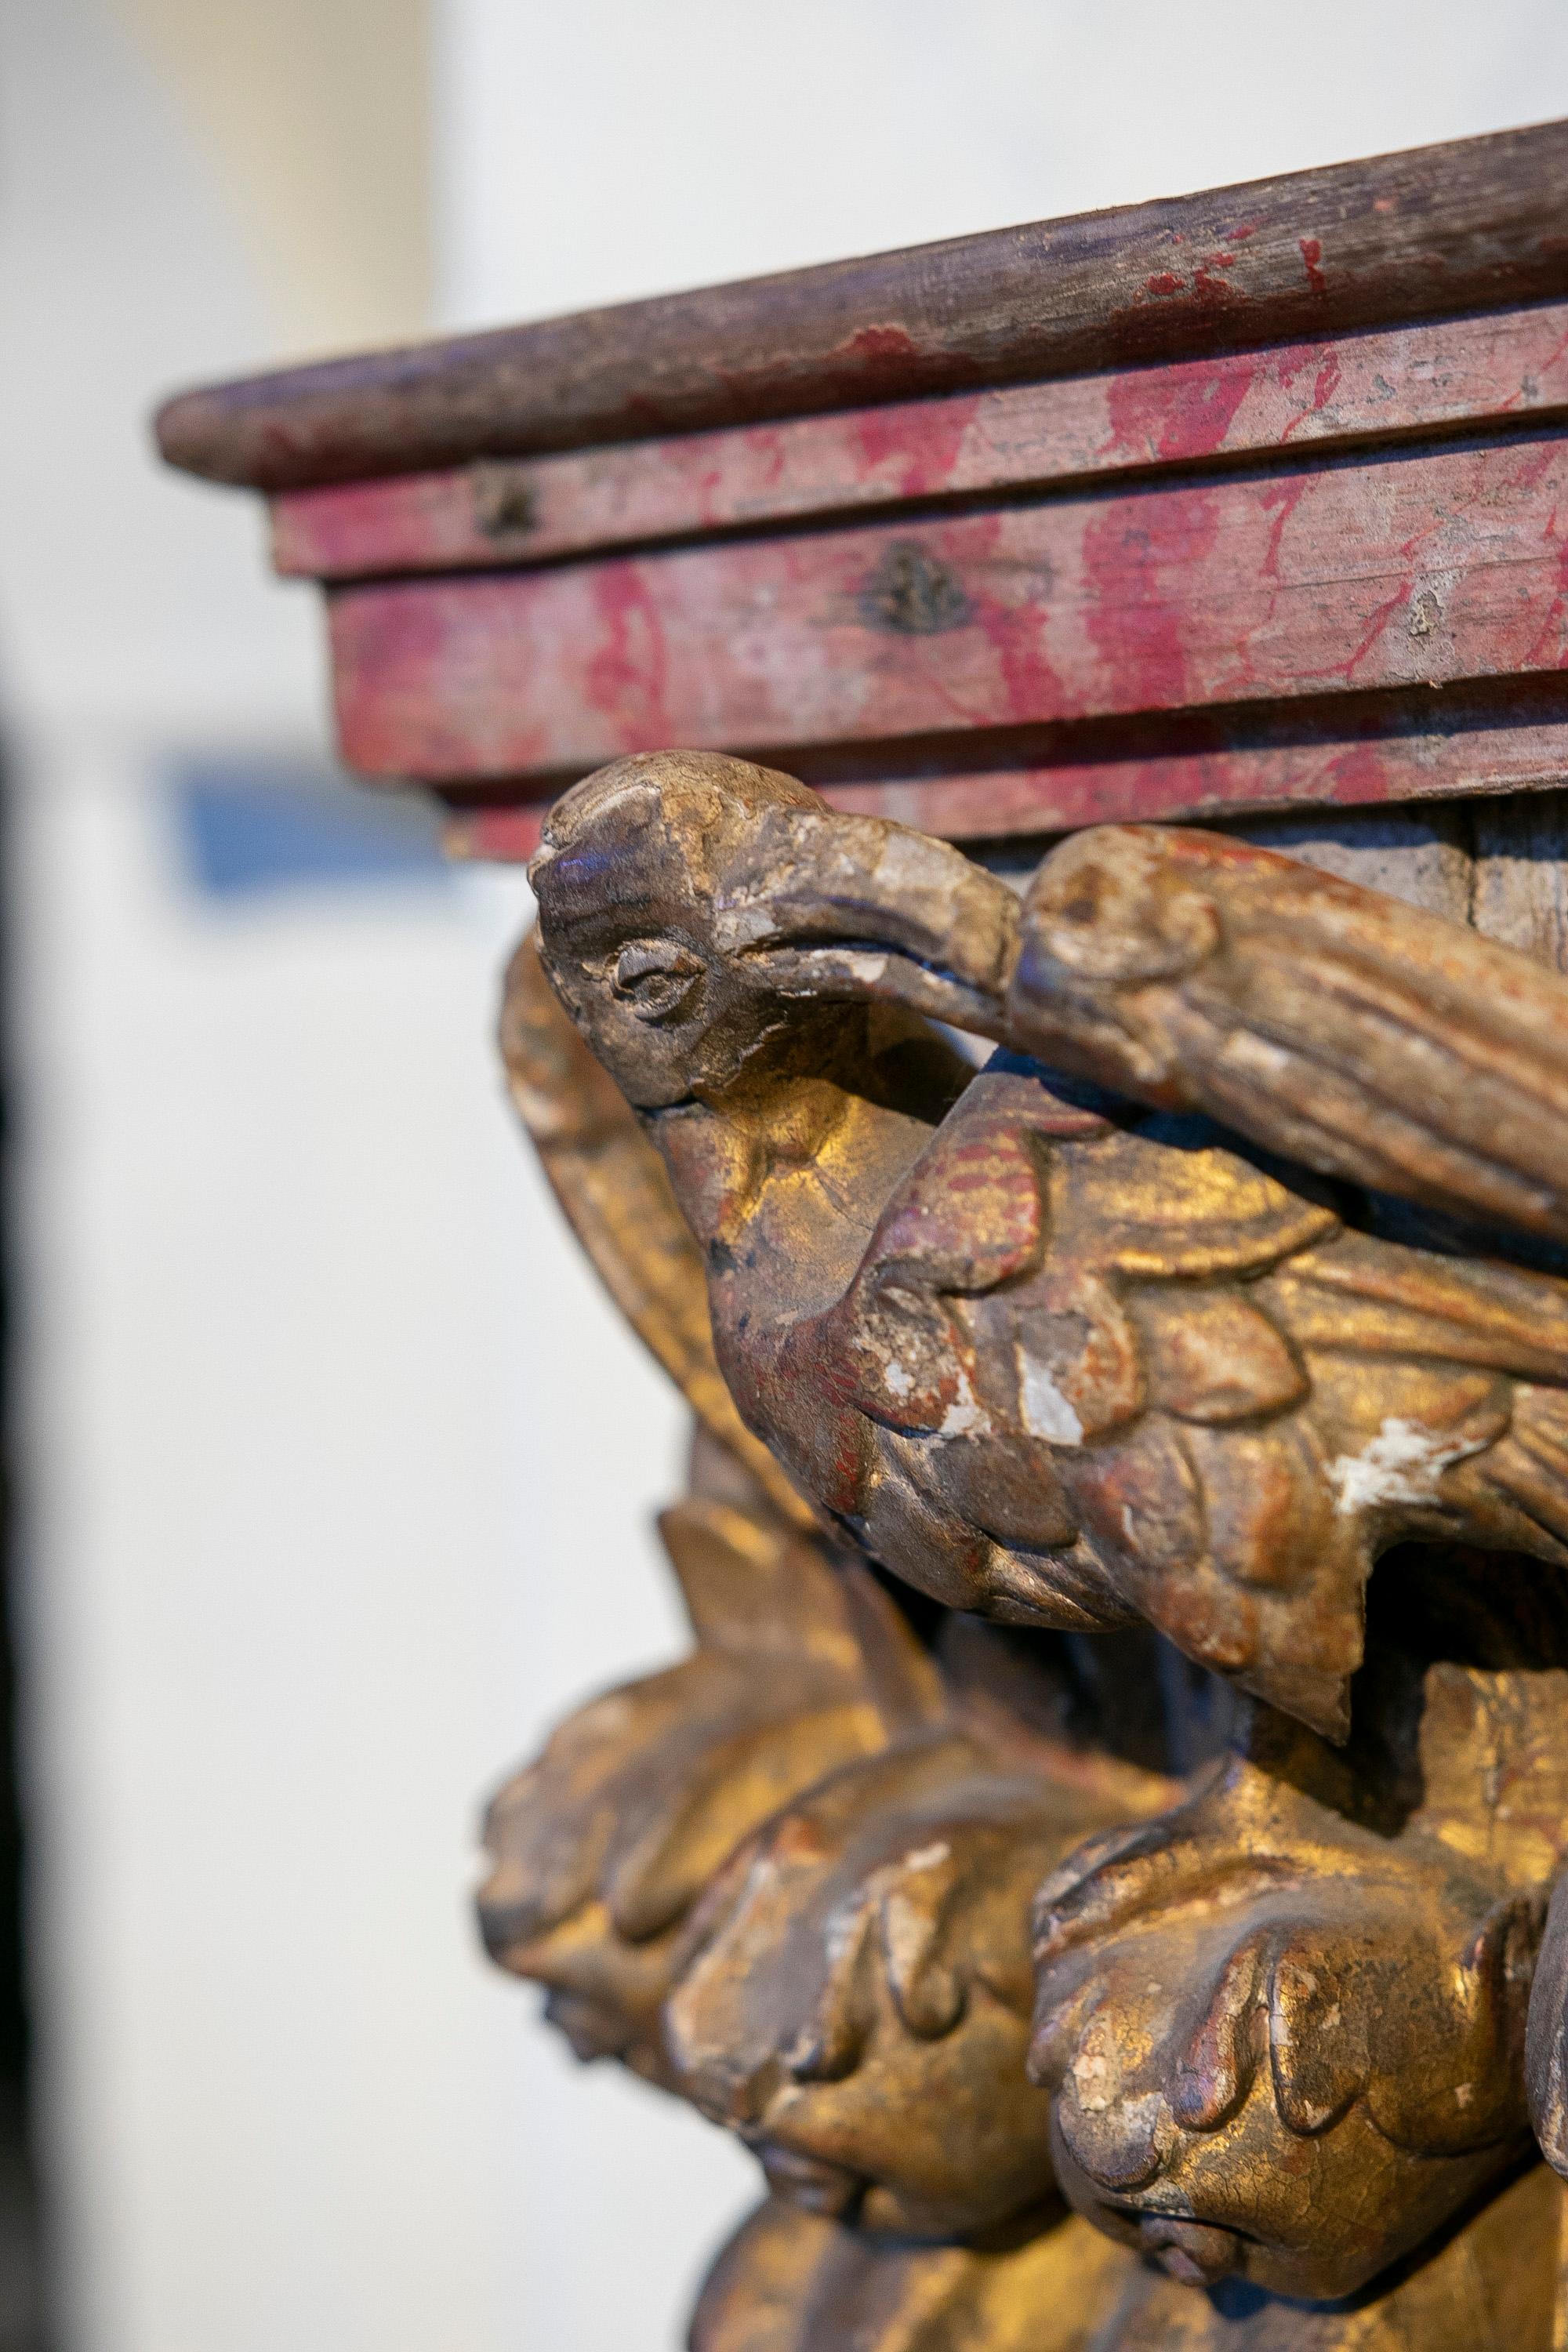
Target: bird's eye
(654, 977)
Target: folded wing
(1364, 1037)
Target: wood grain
(1471, 224)
(1521, 874)
(1429, 764)
(1416, 570)
(1332, 393)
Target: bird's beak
(850, 907)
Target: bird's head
(693, 908)
(1112, 915)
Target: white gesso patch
(899, 1379)
(927, 1858)
(843, 1928)
(1401, 1465)
(963, 1417)
(907, 1931)
(862, 965)
(1244, 1050)
(1047, 1414)
(904, 865)
(747, 918)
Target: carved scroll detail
(789, 2282)
(600, 1849)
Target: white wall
(318, 1527)
(339, 1467)
(613, 148)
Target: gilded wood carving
(1103, 1848)
(1109, 1910)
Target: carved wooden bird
(1048, 1354)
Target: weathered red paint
(1252, 499)
(1350, 389)
(1473, 225)
(1221, 780)
(1435, 566)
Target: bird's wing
(616, 1196)
(969, 1218)
(1043, 1274)
(1468, 1355)
(1141, 1298)
(1367, 1298)
(1174, 1399)
(1368, 1039)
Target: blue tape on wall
(249, 827)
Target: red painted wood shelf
(1251, 499)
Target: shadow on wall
(257, 826)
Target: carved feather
(1364, 1037)
(1078, 1366)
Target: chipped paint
(1403, 1464)
(1047, 1413)
(1215, 592)
(964, 1417)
